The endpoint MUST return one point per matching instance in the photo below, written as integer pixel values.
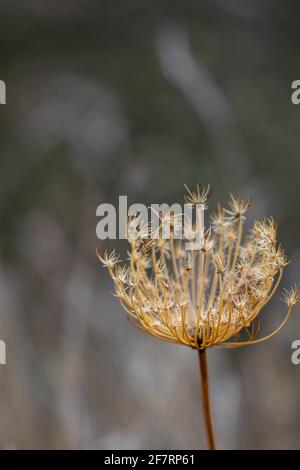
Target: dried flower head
(108, 260)
(219, 263)
(218, 219)
(206, 297)
(291, 297)
(199, 195)
(238, 207)
(190, 262)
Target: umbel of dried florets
(206, 297)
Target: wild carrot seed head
(202, 298)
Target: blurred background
(132, 97)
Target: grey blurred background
(131, 97)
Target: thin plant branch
(206, 400)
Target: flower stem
(205, 400)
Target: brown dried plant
(208, 297)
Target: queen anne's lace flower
(207, 297)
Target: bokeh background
(131, 97)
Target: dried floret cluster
(210, 296)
